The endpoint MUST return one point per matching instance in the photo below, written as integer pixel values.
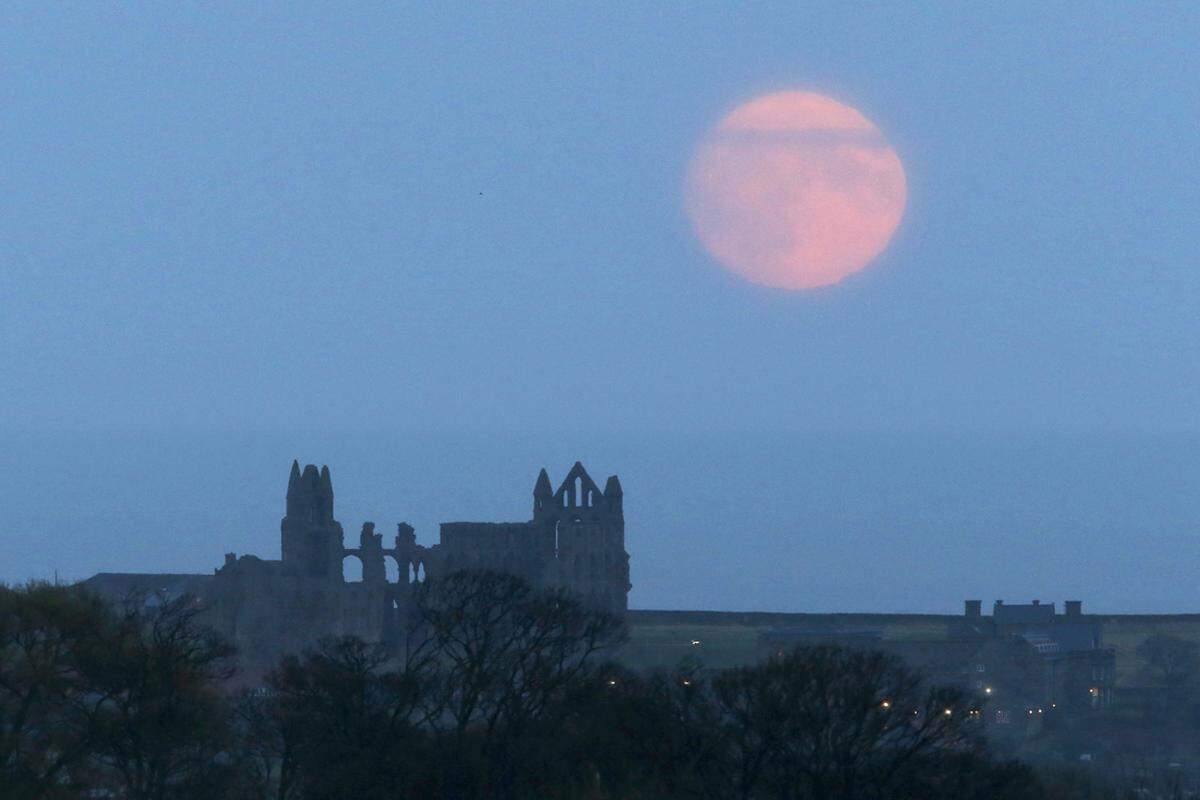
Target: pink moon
(795, 190)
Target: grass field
(720, 646)
(663, 638)
(719, 639)
(1124, 634)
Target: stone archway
(352, 568)
(392, 573)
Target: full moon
(795, 190)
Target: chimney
(1074, 608)
(973, 608)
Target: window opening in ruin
(391, 569)
(352, 569)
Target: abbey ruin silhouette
(267, 607)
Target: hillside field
(726, 639)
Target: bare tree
(271, 740)
(44, 729)
(336, 722)
(507, 653)
(507, 650)
(159, 719)
(830, 722)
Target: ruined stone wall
(519, 548)
(271, 607)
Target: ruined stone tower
(589, 536)
(311, 539)
(576, 539)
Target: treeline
(499, 691)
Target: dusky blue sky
(262, 225)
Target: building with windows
(1073, 667)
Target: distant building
(1076, 669)
(269, 607)
(1026, 661)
